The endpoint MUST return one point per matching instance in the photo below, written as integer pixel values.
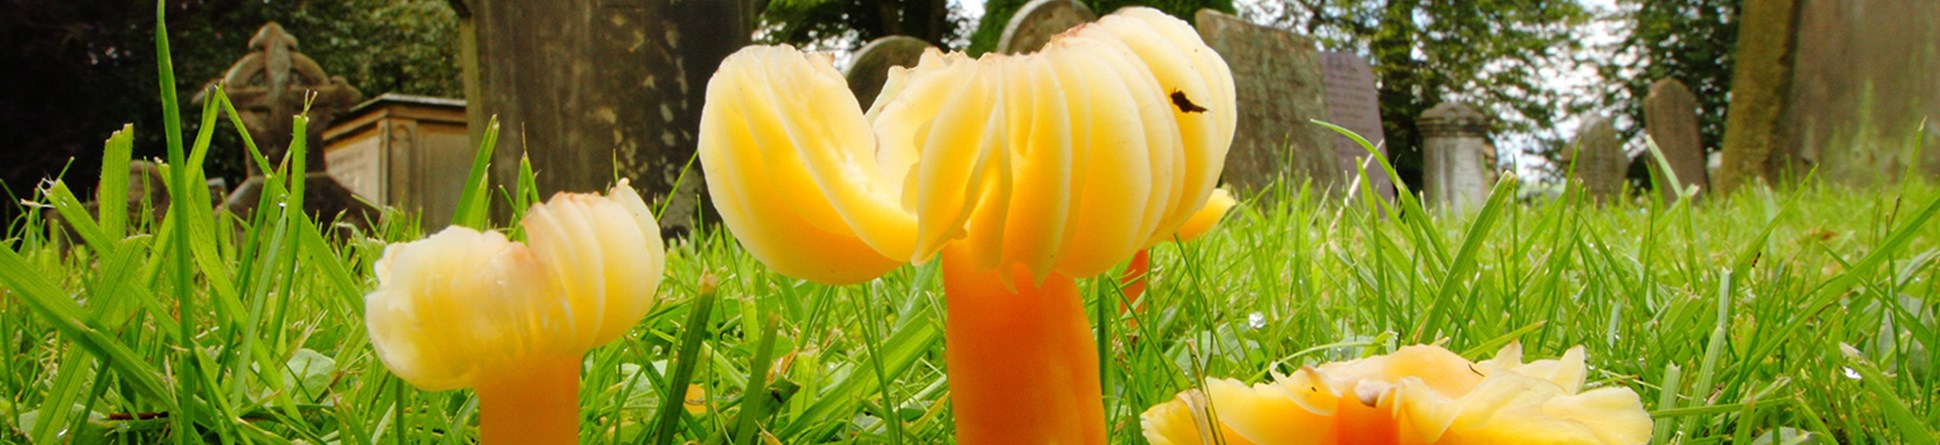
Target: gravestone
(1459, 160)
(1761, 86)
(1670, 117)
(591, 90)
(1354, 104)
(1596, 159)
(872, 63)
(1279, 89)
(269, 86)
(1034, 24)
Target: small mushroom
(512, 320)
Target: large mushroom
(1020, 172)
(511, 320)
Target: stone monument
(1277, 81)
(1866, 76)
(870, 68)
(591, 90)
(269, 86)
(1671, 120)
(1354, 104)
(1034, 24)
(1596, 159)
(1459, 159)
(406, 152)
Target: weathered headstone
(1459, 160)
(1866, 77)
(594, 89)
(1034, 24)
(1354, 104)
(1596, 158)
(870, 68)
(402, 151)
(269, 86)
(1670, 118)
(1277, 81)
(1761, 87)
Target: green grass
(1801, 312)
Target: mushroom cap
(1418, 394)
(1067, 160)
(463, 304)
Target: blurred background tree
(77, 70)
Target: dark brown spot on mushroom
(1185, 104)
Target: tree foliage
(997, 13)
(1496, 54)
(848, 24)
(78, 70)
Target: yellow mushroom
(1020, 172)
(1417, 395)
(511, 320)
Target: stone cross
(1670, 118)
(1460, 161)
(272, 83)
(1278, 85)
(269, 86)
(1596, 159)
(1354, 104)
(1034, 24)
(872, 63)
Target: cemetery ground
(1744, 318)
(1803, 313)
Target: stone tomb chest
(406, 152)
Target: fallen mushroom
(1416, 395)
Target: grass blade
(112, 192)
(690, 347)
(474, 203)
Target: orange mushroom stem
(1023, 368)
(536, 404)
